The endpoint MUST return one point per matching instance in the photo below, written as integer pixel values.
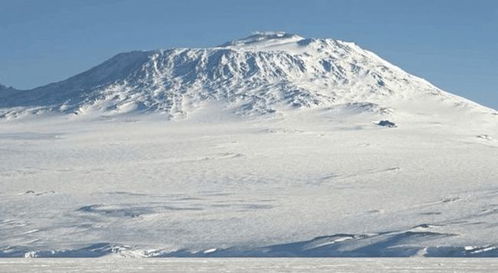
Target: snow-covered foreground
(249, 265)
(323, 182)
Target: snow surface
(265, 146)
(249, 265)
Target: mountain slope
(6, 91)
(259, 74)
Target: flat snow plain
(309, 183)
(249, 265)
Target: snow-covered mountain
(260, 74)
(277, 145)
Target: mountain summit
(264, 39)
(264, 73)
